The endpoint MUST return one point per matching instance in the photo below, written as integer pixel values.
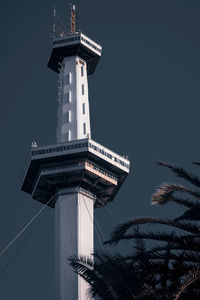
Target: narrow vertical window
(69, 78)
(69, 96)
(84, 128)
(68, 135)
(82, 71)
(68, 116)
(83, 89)
(83, 106)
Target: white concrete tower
(80, 173)
(74, 207)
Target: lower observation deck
(81, 163)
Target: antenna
(73, 18)
(54, 21)
(59, 28)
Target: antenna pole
(54, 21)
(73, 18)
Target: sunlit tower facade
(80, 173)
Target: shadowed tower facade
(80, 173)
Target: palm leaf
(171, 237)
(123, 228)
(166, 192)
(158, 199)
(193, 276)
(82, 266)
(182, 173)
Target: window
(68, 135)
(83, 89)
(69, 78)
(69, 97)
(84, 128)
(68, 116)
(82, 71)
(83, 106)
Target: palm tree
(162, 271)
(114, 277)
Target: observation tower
(77, 173)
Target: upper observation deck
(74, 44)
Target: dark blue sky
(144, 101)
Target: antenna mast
(54, 21)
(73, 18)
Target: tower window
(83, 106)
(82, 71)
(83, 89)
(68, 135)
(68, 116)
(69, 78)
(84, 128)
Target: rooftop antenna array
(59, 28)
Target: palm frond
(121, 272)
(193, 276)
(187, 256)
(83, 267)
(192, 245)
(171, 237)
(165, 193)
(192, 214)
(158, 199)
(182, 173)
(122, 229)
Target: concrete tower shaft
(73, 236)
(73, 107)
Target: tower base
(74, 236)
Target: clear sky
(144, 102)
